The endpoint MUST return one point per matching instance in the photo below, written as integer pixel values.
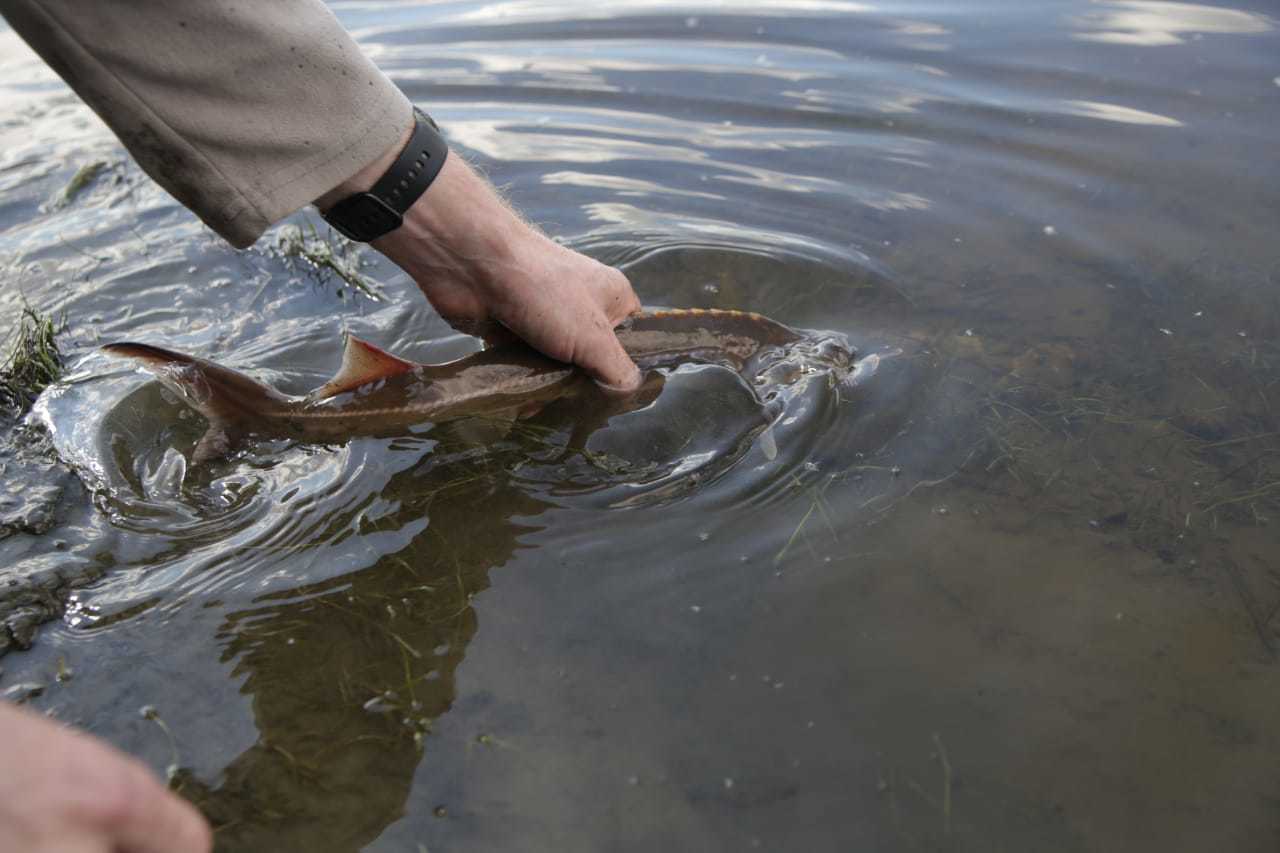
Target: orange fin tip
(362, 363)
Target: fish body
(377, 393)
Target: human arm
(479, 263)
(246, 112)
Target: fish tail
(226, 398)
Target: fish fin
(217, 442)
(489, 429)
(362, 363)
(226, 398)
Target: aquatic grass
(149, 712)
(80, 181)
(34, 361)
(325, 257)
(1113, 446)
(817, 504)
(946, 782)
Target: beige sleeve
(244, 110)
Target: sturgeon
(377, 393)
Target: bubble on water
(691, 22)
(1049, 230)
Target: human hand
(62, 791)
(479, 264)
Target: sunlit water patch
(1013, 589)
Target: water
(1018, 590)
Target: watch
(368, 215)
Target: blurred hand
(479, 263)
(62, 791)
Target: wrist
(363, 180)
(463, 232)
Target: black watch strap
(368, 215)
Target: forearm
(480, 264)
(248, 111)
(243, 112)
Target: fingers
(622, 301)
(604, 357)
(136, 812)
(163, 822)
(608, 363)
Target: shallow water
(1018, 590)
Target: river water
(1018, 590)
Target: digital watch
(380, 210)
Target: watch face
(363, 217)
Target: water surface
(1018, 590)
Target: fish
(376, 393)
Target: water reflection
(1040, 541)
(1149, 23)
(347, 676)
(1117, 113)
(536, 10)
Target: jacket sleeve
(243, 110)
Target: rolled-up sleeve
(243, 110)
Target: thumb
(609, 364)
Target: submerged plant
(325, 257)
(80, 181)
(33, 361)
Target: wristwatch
(368, 215)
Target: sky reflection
(1152, 23)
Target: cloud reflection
(542, 10)
(1154, 23)
(621, 186)
(1115, 112)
